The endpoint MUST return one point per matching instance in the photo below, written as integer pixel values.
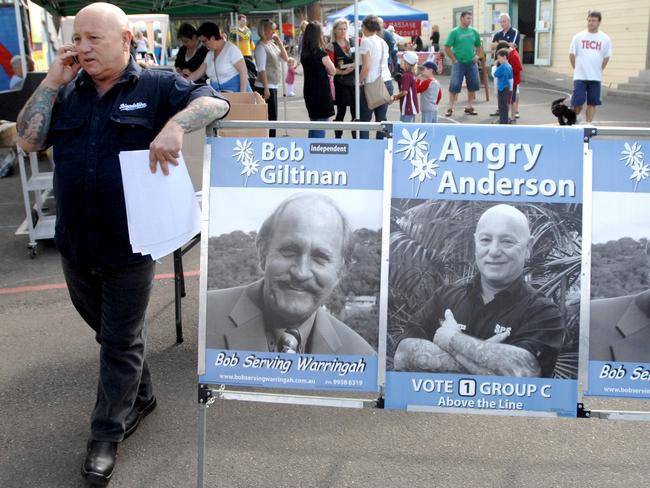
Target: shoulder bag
(376, 92)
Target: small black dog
(564, 114)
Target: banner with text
(293, 263)
(485, 261)
(619, 329)
(411, 28)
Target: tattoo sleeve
(423, 355)
(34, 119)
(200, 113)
(490, 358)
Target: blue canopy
(388, 10)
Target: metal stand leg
(179, 283)
(179, 292)
(206, 399)
(200, 473)
(181, 272)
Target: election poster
(293, 263)
(619, 324)
(485, 263)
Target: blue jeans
(379, 112)
(317, 133)
(231, 85)
(113, 301)
(429, 117)
(467, 71)
(407, 118)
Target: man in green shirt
(463, 46)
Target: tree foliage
(619, 268)
(232, 260)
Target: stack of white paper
(162, 211)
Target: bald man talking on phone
(95, 102)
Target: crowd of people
(96, 101)
(233, 62)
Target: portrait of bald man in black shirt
(495, 325)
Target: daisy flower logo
(416, 150)
(423, 169)
(633, 157)
(250, 167)
(639, 173)
(414, 145)
(243, 150)
(243, 153)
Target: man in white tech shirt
(589, 54)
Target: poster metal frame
(599, 132)
(203, 270)
(585, 275)
(208, 394)
(384, 272)
(474, 411)
(311, 125)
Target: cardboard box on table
(245, 106)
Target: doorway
(525, 17)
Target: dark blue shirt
(389, 39)
(533, 321)
(87, 133)
(511, 35)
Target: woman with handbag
(343, 57)
(317, 68)
(224, 64)
(377, 88)
(269, 55)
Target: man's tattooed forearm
(423, 355)
(493, 358)
(200, 112)
(34, 119)
(473, 367)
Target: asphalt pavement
(49, 363)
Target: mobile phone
(75, 60)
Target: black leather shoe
(140, 411)
(98, 467)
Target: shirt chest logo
(500, 329)
(130, 107)
(595, 45)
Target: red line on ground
(166, 276)
(31, 288)
(59, 286)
